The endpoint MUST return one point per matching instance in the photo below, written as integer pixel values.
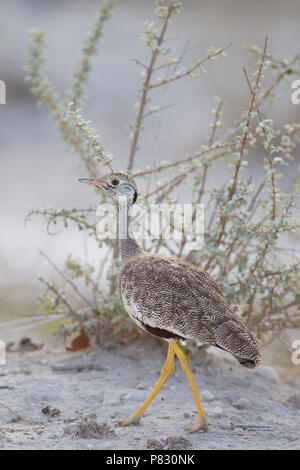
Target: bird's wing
(175, 296)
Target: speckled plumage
(169, 297)
(173, 299)
(177, 297)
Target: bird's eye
(115, 181)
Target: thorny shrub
(252, 224)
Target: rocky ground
(53, 399)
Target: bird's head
(115, 186)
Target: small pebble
(47, 410)
(206, 395)
(242, 403)
(140, 386)
(295, 400)
(217, 412)
(127, 396)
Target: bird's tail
(234, 337)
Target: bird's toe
(128, 422)
(202, 427)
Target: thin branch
(54, 317)
(291, 304)
(53, 289)
(198, 154)
(157, 110)
(146, 88)
(252, 103)
(82, 69)
(242, 149)
(280, 76)
(269, 144)
(189, 71)
(205, 170)
(66, 279)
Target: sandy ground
(83, 395)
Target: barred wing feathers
(172, 298)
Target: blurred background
(37, 171)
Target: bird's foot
(202, 427)
(128, 422)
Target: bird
(172, 299)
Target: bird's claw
(202, 427)
(128, 422)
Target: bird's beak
(93, 182)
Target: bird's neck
(128, 245)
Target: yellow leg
(185, 364)
(165, 373)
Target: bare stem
(146, 88)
